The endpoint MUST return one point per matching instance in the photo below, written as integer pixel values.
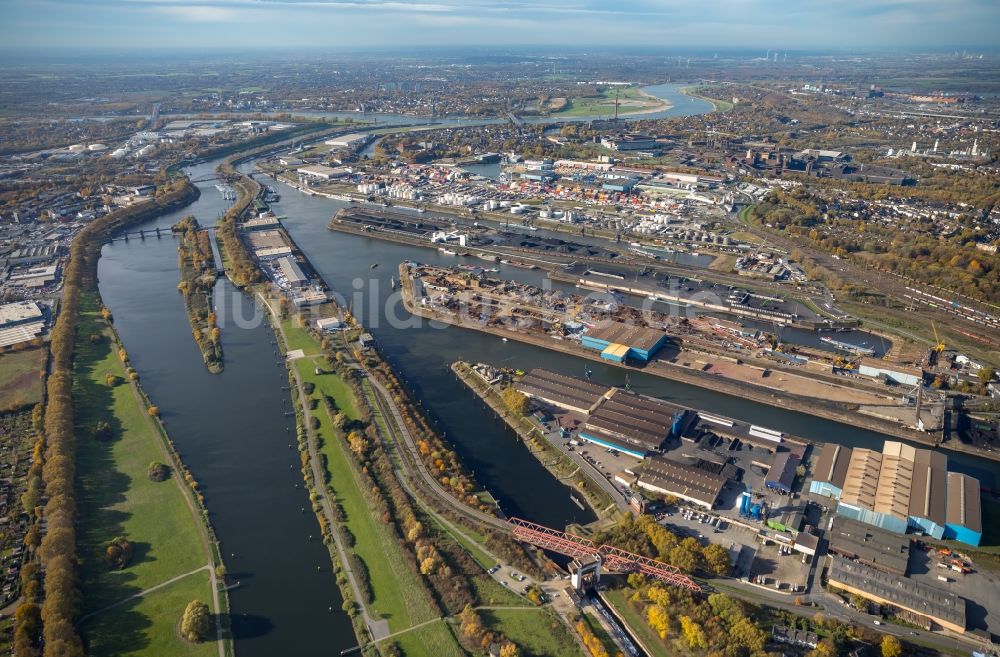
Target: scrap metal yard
(701, 350)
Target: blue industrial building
(538, 175)
(618, 341)
(617, 445)
(618, 184)
(965, 518)
(899, 489)
(781, 474)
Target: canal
(236, 433)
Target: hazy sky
(268, 24)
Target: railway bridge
(613, 558)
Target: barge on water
(848, 347)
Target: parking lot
(980, 588)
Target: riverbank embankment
(561, 467)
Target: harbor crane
(938, 343)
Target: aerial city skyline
(499, 329)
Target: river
(680, 105)
(233, 433)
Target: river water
(233, 433)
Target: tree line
(58, 636)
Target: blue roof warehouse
(618, 341)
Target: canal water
(235, 433)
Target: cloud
(242, 5)
(810, 24)
(199, 13)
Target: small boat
(392, 282)
(421, 210)
(503, 339)
(374, 265)
(447, 251)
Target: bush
(119, 552)
(158, 471)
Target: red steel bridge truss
(612, 558)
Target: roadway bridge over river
(208, 177)
(141, 234)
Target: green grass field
(298, 337)
(148, 625)
(434, 639)
(537, 632)
(630, 99)
(708, 94)
(21, 378)
(398, 594)
(116, 498)
(329, 385)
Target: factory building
(329, 324)
(632, 424)
(666, 477)
(292, 273)
(924, 605)
(899, 488)
(618, 185)
(565, 392)
(964, 519)
(614, 418)
(781, 475)
(538, 175)
(348, 141)
(869, 545)
(629, 142)
(894, 374)
(831, 471)
(788, 520)
(20, 321)
(268, 244)
(266, 222)
(618, 341)
(321, 172)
